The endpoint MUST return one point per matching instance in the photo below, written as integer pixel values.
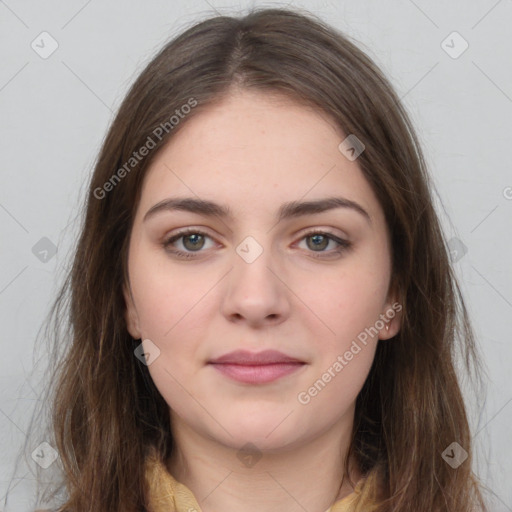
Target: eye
(193, 240)
(318, 241)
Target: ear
(131, 316)
(391, 315)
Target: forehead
(253, 151)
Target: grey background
(55, 112)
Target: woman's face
(259, 278)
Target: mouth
(256, 368)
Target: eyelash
(343, 245)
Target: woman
(262, 307)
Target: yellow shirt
(169, 495)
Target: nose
(256, 292)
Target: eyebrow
(288, 210)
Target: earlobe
(131, 316)
(391, 317)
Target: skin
(253, 152)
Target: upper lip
(244, 357)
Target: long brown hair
(106, 412)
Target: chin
(267, 434)
(252, 442)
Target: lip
(256, 368)
(244, 357)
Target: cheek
(334, 390)
(344, 355)
(166, 302)
(170, 315)
(173, 309)
(174, 384)
(346, 302)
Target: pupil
(195, 240)
(317, 241)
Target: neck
(296, 478)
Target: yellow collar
(169, 495)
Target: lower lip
(257, 374)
